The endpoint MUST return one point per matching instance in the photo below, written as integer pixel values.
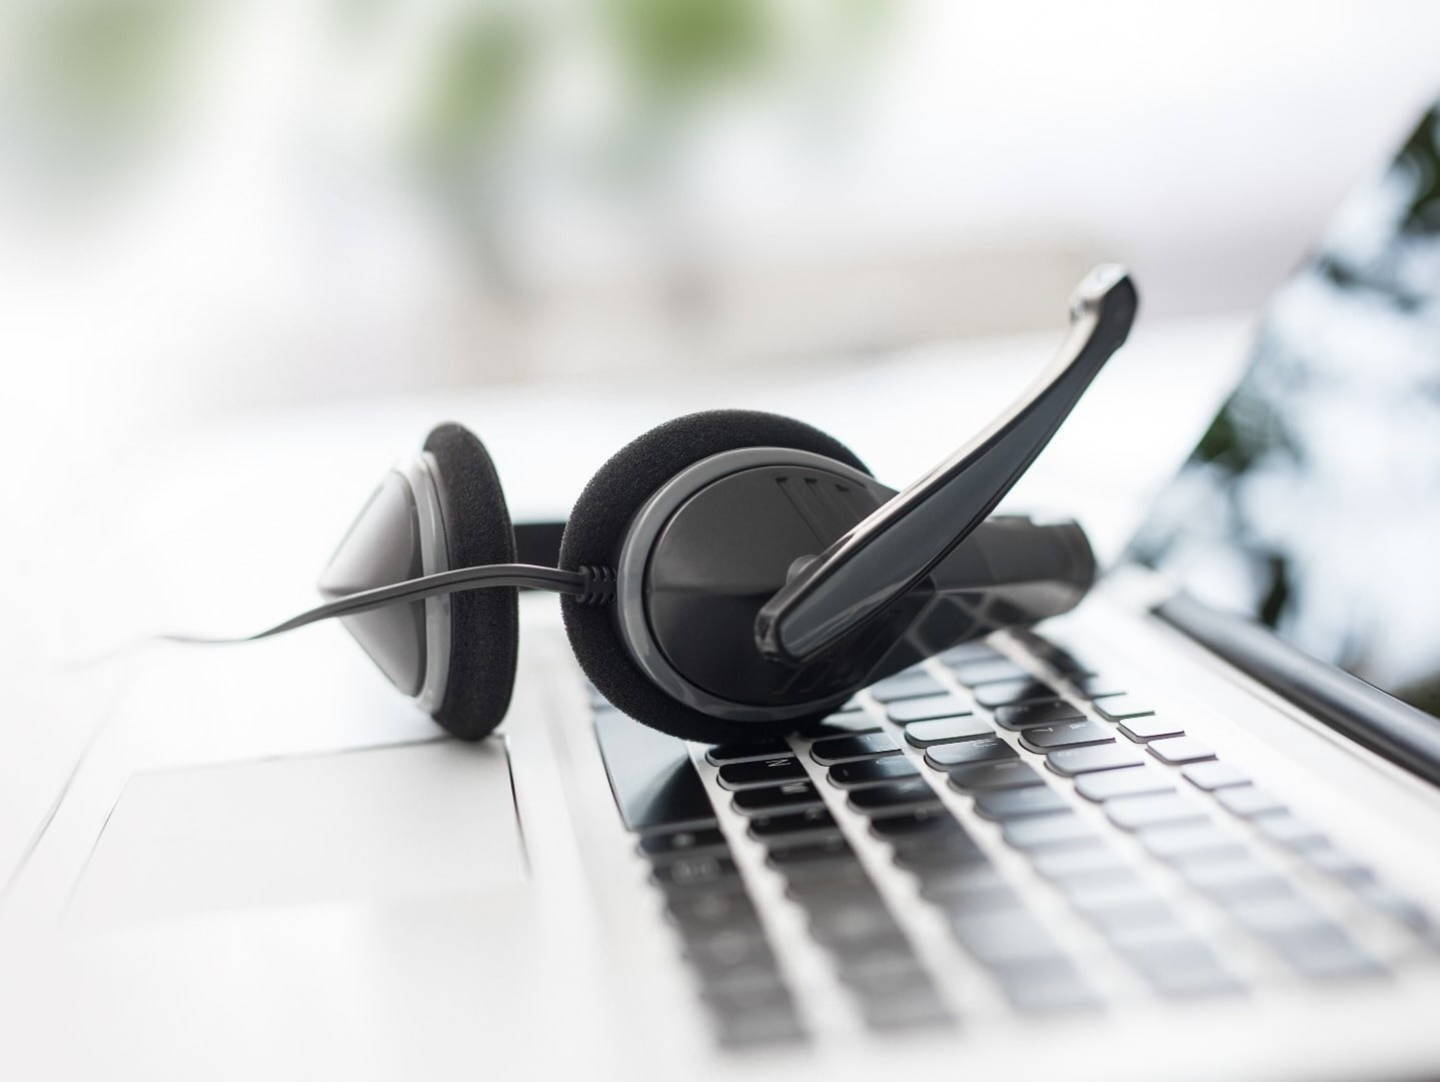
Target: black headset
(729, 575)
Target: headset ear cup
(597, 529)
(484, 624)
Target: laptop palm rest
(381, 824)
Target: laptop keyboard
(1076, 847)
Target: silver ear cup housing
(399, 534)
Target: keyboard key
(1149, 727)
(1266, 916)
(910, 684)
(1190, 841)
(1055, 985)
(655, 785)
(940, 854)
(969, 888)
(1006, 774)
(983, 749)
(1134, 812)
(1012, 692)
(739, 753)
(1248, 801)
(840, 749)
(1395, 905)
(892, 1009)
(1182, 968)
(775, 798)
(1012, 803)
(923, 709)
(770, 828)
(681, 842)
(1339, 864)
(1285, 829)
(1180, 749)
(893, 796)
(1214, 775)
(1120, 707)
(810, 852)
(1045, 831)
(974, 673)
(1231, 881)
(698, 870)
(1005, 938)
(841, 724)
(966, 652)
(1129, 781)
(926, 823)
(1039, 712)
(872, 772)
(1082, 864)
(1069, 762)
(1068, 734)
(697, 911)
(1326, 953)
(924, 734)
(760, 772)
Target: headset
(728, 576)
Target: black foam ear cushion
(484, 624)
(596, 531)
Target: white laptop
(1191, 830)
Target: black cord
(591, 585)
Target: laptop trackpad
(378, 824)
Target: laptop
(1189, 830)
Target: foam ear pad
(597, 529)
(484, 624)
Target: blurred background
(213, 211)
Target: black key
(769, 828)
(755, 1025)
(1082, 864)
(1006, 774)
(1118, 707)
(1340, 865)
(760, 772)
(1013, 803)
(1128, 781)
(910, 684)
(893, 797)
(966, 652)
(891, 1008)
(872, 772)
(923, 709)
(843, 724)
(926, 822)
(1182, 968)
(1047, 831)
(1230, 881)
(1067, 734)
(1149, 727)
(696, 911)
(1248, 801)
(972, 886)
(1326, 953)
(699, 870)
(1013, 692)
(656, 786)
(983, 749)
(924, 734)
(1038, 712)
(738, 753)
(1072, 761)
(681, 842)
(729, 949)
(789, 797)
(1054, 985)
(1285, 829)
(942, 854)
(809, 852)
(974, 673)
(840, 749)
(1062, 659)
(1180, 749)
(1190, 841)
(1214, 775)
(849, 914)
(1005, 938)
(1134, 812)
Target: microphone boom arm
(893, 549)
